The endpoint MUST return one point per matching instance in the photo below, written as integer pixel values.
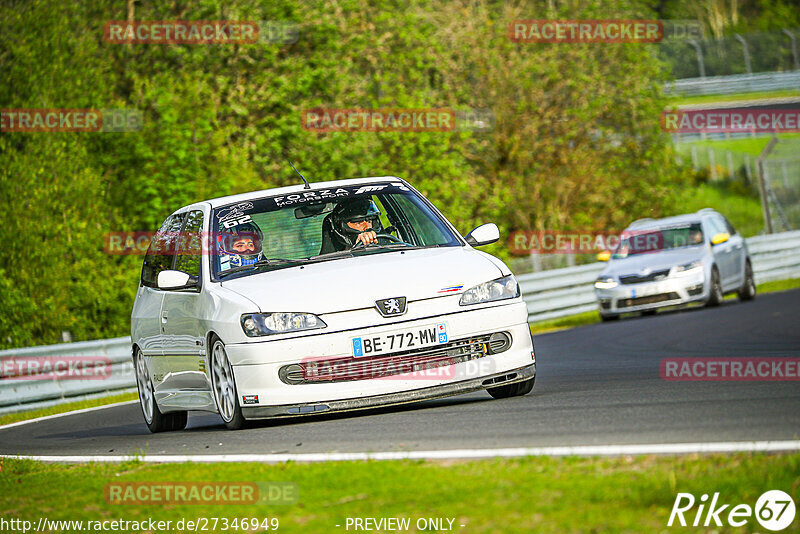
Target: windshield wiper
(262, 263)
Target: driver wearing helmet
(352, 222)
(240, 245)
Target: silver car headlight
(691, 266)
(605, 282)
(500, 289)
(266, 324)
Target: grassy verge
(68, 407)
(744, 212)
(583, 319)
(705, 99)
(633, 494)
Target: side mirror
(483, 235)
(720, 238)
(604, 255)
(175, 280)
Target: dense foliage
(576, 144)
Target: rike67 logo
(774, 510)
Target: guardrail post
(712, 163)
(730, 165)
(762, 187)
(699, 51)
(746, 53)
(794, 49)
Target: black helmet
(229, 236)
(355, 210)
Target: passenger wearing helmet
(351, 222)
(240, 245)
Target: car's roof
(299, 188)
(643, 224)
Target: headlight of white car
(265, 324)
(688, 267)
(606, 282)
(500, 289)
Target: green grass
(744, 212)
(564, 323)
(705, 99)
(752, 146)
(534, 494)
(68, 407)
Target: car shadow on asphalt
(335, 416)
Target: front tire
(715, 293)
(748, 290)
(512, 390)
(155, 420)
(226, 396)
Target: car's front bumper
(676, 289)
(257, 365)
(389, 399)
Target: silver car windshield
(655, 240)
(321, 225)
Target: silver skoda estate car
(697, 257)
(310, 299)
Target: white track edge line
(64, 414)
(579, 450)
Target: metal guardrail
(740, 83)
(549, 295)
(563, 292)
(26, 393)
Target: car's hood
(654, 261)
(353, 283)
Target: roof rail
(706, 210)
(638, 221)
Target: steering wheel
(389, 237)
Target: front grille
(636, 279)
(350, 369)
(651, 299)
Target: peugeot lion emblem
(392, 306)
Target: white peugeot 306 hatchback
(313, 299)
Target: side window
(427, 229)
(161, 254)
(731, 229)
(716, 226)
(190, 244)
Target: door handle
(164, 317)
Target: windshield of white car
(317, 225)
(636, 242)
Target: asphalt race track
(598, 384)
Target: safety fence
(736, 84)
